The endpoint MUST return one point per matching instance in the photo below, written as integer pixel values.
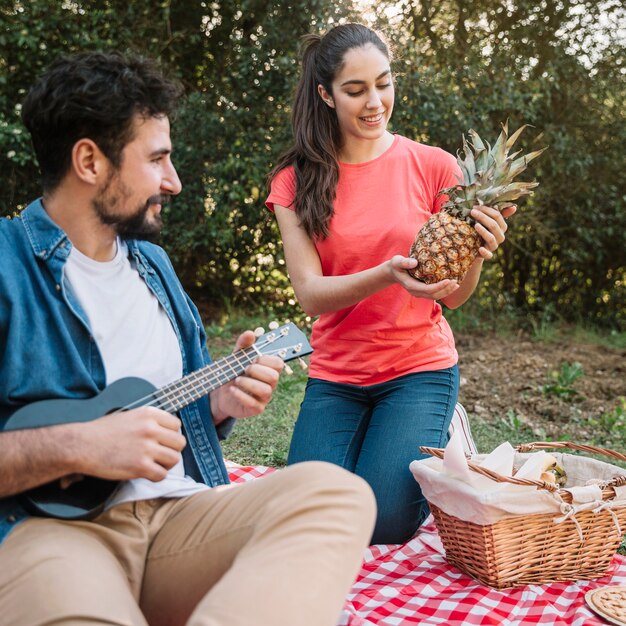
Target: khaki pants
(282, 550)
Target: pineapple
(448, 243)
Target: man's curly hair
(93, 95)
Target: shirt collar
(44, 234)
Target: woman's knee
(398, 526)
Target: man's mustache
(158, 199)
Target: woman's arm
(318, 294)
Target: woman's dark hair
(97, 96)
(317, 137)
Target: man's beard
(135, 225)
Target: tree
(558, 65)
(238, 60)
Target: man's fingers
(153, 471)
(266, 369)
(254, 388)
(246, 339)
(252, 402)
(165, 457)
(167, 420)
(172, 439)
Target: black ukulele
(86, 498)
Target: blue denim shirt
(46, 347)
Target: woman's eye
(354, 93)
(384, 86)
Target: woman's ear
(325, 96)
(88, 161)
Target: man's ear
(325, 96)
(88, 162)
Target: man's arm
(142, 443)
(29, 458)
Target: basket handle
(607, 487)
(540, 445)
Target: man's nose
(171, 183)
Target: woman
(349, 197)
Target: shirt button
(57, 287)
(11, 519)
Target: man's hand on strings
(249, 393)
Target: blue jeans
(375, 432)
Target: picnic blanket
(412, 583)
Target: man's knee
(335, 487)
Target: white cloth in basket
(457, 490)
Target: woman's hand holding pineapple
(398, 266)
(490, 225)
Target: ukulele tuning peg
(288, 369)
(302, 363)
(273, 325)
(258, 331)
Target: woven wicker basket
(533, 549)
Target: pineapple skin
(445, 247)
(448, 243)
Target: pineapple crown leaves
(487, 174)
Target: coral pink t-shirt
(379, 207)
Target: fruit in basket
(448, 243)
(552, 472)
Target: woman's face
(362, 94)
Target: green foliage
(559, 67)
(34, 33)
(556, 64)
(607, 430)
(561, 380)
(238, 68)
(490, 434)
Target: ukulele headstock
(286, 341)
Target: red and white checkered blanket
(414, 584)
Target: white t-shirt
(135, 338)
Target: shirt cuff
(225, 427)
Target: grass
(545, 327)
(563, 379)
(264, 440)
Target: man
(84, 301)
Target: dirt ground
(506, 378)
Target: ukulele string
(183, 391)
(194, 379)
(205, 380)
(188, 382)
